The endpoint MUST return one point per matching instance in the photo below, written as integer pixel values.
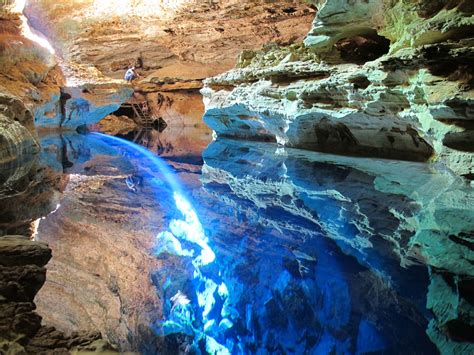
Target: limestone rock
(404, 23)
(58, 93)
(17, 135)
(185, 39)
(30, 192)
(394, 220)
(449, 297)
(114, 125)
(411, 100)
(48, 339)
(87, 97)
(15, 141)
(18, 322)
(345, 110)
(22, 274)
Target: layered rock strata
(103, 236)
(17, 134)
(412, 99)
(185, 39)
(22, 274)
(85, 97)
(392, 225)
(60, 94)
(27, 190)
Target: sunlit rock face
(86, 96)
(25, 66)
(383, 79)
(186, 39)
(59, 95)
(405, 23)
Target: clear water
(266, 250)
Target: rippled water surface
(242, 247)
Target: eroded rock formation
(412, 99)
(173, 45)
(60, 95)
(22, 274)
(110, 204)
(390, 79)
(185, 39)
(390, 226)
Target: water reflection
(369, 228)
(283, 251)
(28, 191)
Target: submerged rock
(450, 298)
(106, 204)
(390, 216)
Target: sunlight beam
(18, 7)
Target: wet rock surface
(119, 300)
(17, 134)
(27, 189)
(28, 192)
(269, 249)
(390, 240)
(108, 201)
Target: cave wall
(186, 39)
(387, 79)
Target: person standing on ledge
(131, 74)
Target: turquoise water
(267, 250)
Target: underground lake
(236, 177)
(240, 247)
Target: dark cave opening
(363, 48)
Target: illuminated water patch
(187, 229)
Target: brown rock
(20, 251)
(18, 321)
(114, 125)
(194, 38)
(21, 283)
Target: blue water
(281, 251)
